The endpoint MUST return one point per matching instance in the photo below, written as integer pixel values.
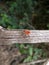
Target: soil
(10, 55)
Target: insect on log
(31, 36)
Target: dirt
(10, 55)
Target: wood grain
(18, 36)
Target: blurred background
(24, 14)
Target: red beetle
(27, 32)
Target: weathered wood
(18, 36)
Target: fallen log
(23, 36)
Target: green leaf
(28, 59)
(30, 51)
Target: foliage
(33, 12)
(32, 51)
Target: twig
(32, 27)
(34, 62)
